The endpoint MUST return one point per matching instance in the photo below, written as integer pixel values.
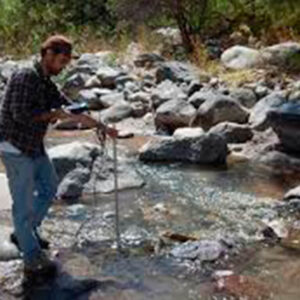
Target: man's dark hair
(59, 44)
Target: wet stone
(76, 211)
(202, 250)
(135, 236)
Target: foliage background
(108, 23)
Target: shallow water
(203, 203)
(198, 202)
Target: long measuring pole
(116, 195)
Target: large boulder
(165, 91)
(246, 97)
(174, 114)
(198, 98)
(109, 76)
(90, 63)
(285, 121)
(233, 132)
(176, 72)
(221, 108)
(83, 168)
(241, 57)
(67, 157)
(279, 162)
(259, 114)
(117, 112)
(8, 67)
(205, 149)
(286, 55)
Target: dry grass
(237, 78)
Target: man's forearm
(52, 116)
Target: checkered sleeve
(21, 91)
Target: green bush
(25, 23)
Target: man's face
(55, 63)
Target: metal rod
(116, 194)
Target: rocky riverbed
(202, 177)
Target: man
(31, 102)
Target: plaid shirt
(28, 94)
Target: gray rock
(286, 55)
(240, 57)
(91, 97)
(93, 82)
(174, 114)
(122, 80)
(7, 69)
(199, 250)
(262, 91)
(76, 211)
(92, 62)
(233, 132)
(259, 114)
(108, 76)
(166, 91)
(198, 98)
(176, 72)
(279, 162)
(131, 87)
(205, 149)
(67, 157)
(292, 194)
(8, 251)
(135, 236)
(140, 97)
(220, 109)
(83, 168)
(102, 177)
(72, 184)
(87, 64)
(90, 59)
(139, 109)
(294, 96)
(117, 112)
(245, 96)
(284, 120)
(188, 132)
(74, 84)
(194, 87)
(111, 99)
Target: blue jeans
(33, 185)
